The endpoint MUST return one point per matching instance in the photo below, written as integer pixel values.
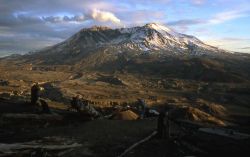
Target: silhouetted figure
(75, 103)
(35, 93)
(142, 107)
(167, 125)
(45, 106)
(161, 125)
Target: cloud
(24, 42)
(231, 43)
(214, 20)
(248, 48)
(186, 22)
(57, 19)
(236, 39)
(141, 17)
(31, 26)
(229, 15)
(21, 20)
(11, 20)
(198, 2)
(104, 16)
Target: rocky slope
(149, 39)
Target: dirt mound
(196, 115)
(211, 108)
(125, 115)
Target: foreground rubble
(48, 146)
(26, 131)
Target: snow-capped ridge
(161, 28)
(151, 37)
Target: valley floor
(210, 104)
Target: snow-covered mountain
(150, 50)
(149, 38)
(159, 37)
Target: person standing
(35, 89)
(142, 108)
(167, 125)
(75, 103)
(161, 125)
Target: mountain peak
(161, 28)
(157, 26)
(98, 28)
(151, 25)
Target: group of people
(82, 105)
(77, 103)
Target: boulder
(125, 115)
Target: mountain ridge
(151, 37)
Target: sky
(30, 25)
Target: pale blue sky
(28, 25)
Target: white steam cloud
(104, 16)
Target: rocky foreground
(26, 131)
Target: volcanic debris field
(195, 105)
